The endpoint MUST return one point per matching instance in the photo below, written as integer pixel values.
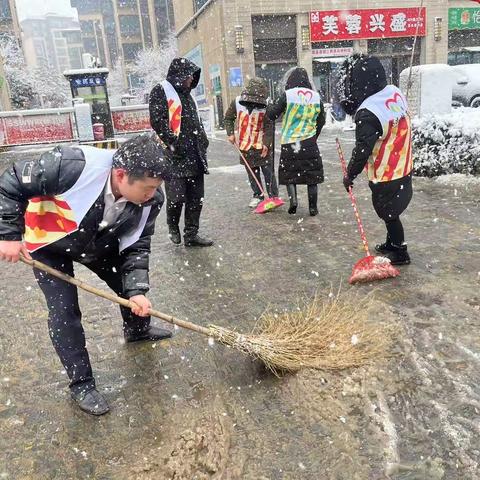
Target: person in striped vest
(303, 120)
(248, 126)
(383, 146)
(89, 206)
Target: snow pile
(444, 144)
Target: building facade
(116, 30)
(235, 40)
(52, 41)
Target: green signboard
(463, 18)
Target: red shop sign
(331, 25)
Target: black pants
(270, 181)
(312, 194)
(64, 315)
(188, 191)
(390, 200)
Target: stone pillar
(304, 56)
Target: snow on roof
(85, 71)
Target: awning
(471, 49)
(330, 59)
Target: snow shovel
(269, 203)
(370, 267)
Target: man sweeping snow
(97, 208)
(383, 146)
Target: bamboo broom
(327, 336)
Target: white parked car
(466, 87)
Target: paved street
(186, 410)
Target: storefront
(463, 36)
(388, 33)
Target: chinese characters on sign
(88, 82)
(464, 18)
(334, 25)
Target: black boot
(152, 333)
(174, 211)
(197, 241)
(385, 247)
(399, 255)
(92, 402)
(174, 235)
(292, 195)
(312, 200)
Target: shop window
(463, 47)
(391, 46)
(274, 38)
(274, 26)
(273, 49)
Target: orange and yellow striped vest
(392, 154)
(174, 107)
(51, 218)
(250, 127)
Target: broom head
(329, 334)
(372, 268)
(269, 204)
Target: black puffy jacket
(54, 173)
(187, 153)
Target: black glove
(347, 183)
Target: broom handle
(353, 199)
(260, 186)
(113, 298)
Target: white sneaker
(254, 202)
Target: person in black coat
(382, 146)
(303, 119)
(185, 147)
(90, 206)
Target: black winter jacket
(187, 153)
(368, 131)
(54, 173)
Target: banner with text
(332, 25)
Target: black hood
(180, 69)
(361, 77)
(298, 79)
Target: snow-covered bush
(444, 144)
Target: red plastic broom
(370, 267)
(269, 203)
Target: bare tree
(116, 84)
